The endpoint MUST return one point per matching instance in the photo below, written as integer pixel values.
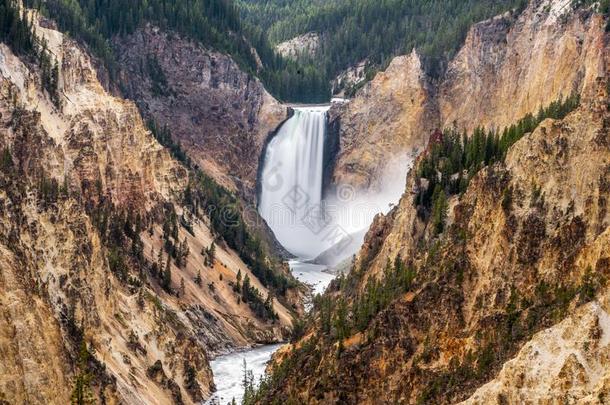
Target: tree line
(354, 30)
(453, 158)
(17, 31)
(213, 23)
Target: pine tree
(81, 393)
(166, 278)
(439, 210)
(212, 253)
(182, 290)
(198, 278)
(238, 281)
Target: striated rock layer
(509, 302)
(509, 66)
(390, 118)
(513, 65)
(220, 114)
(68, 171)
(502, 271)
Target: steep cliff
(512, 65)
(494, 294)
(429, 319)
(509, 66)
(99, 258)
(220, 114)
(390, 118)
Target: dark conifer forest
(351, 30)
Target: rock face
(303, 45)
(221, 115)
(351, 76)
(566, 363)
(391, 117)
(500, 273)
(513, 65)
(510, 302)
(67, 173)
(509, 66)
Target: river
(228, 369)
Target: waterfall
(291, 182)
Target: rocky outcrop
(220, 114)
(504, 269)
(565, 363)
(509, 66)
(305, 45)
(390, 118)
(512, 65)
(84, 191)
(508, 303)
(352, 76)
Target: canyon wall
(85, 193)
(220, 114)
(509, 66)
(508, 302)
(389, 119)
(512, 65)
(504, 270)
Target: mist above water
(291, 191)
(292, 180)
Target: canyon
(508, 301)
(83, 179)
(141, 260)
(509, 66)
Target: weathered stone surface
(220, 114)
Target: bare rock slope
(509, 66)
(84, 191)
(220, 114)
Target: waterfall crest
(291, 182)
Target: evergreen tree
(166, 277)
(81, 393)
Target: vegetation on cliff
(205, 196)
(452, 159)
(16, 30)
(213, 23)
(354, 30)
(417, 304)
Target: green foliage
(164, 136)
(227, 222)
(82, 393)
(18, 33)
(298, 329)
(252, 296)
(452, 159)
(352, 30)
(6, 161)
(378, 294)
(119, 231)
(213, 23)
(157, 77)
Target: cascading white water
(291, 182)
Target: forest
(354, 30)
(214, 23)
(351, 31)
